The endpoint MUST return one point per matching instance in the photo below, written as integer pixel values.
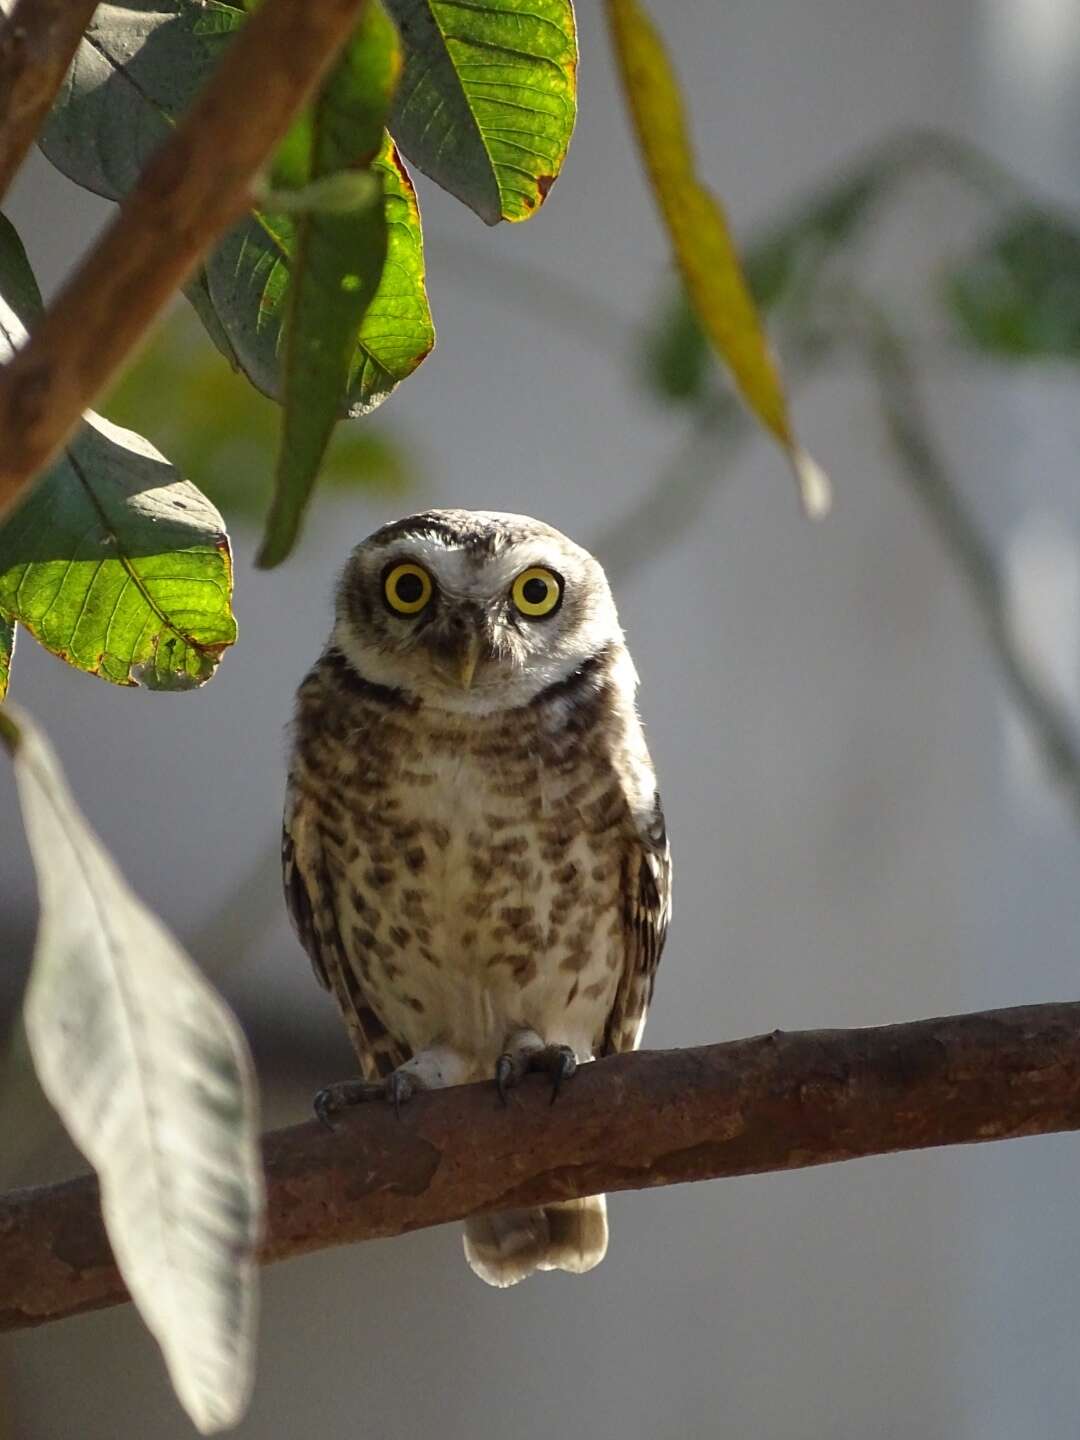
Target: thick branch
(36, 46)
(775, 1102)
(195, 186)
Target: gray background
(861, 836)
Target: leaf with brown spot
(488, 99)
(114, 562)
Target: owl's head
(472, 611)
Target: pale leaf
(151, 1075)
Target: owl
(474, 853)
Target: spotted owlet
(474, 851)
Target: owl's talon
(340, 1096)
(531, 1054)
(504, 1076)
(563, 1066)
(399, 1087)
(324, 1107)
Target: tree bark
(37, 42)
(196, 185)
(774, 1102)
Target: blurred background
(864, 829)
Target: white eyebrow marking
(471, 573)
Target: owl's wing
(310, 891)
(647, 909)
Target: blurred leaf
(17, 280)
(701, 239)
(7, 650)
(487, 102)
(114, 562)
(152, 1078)
(791, 252)
(338, 263)
(134, 73)
(676, 359)
(1018, 295)
(222, 431)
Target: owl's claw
(563, 1066)
(507, 1074)
(530, 1054)
(398, 1087)
(340, 1096)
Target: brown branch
(775, 1102)
(36, 45)
(196, 185)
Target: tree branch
(37, 42)
(196, 185)
(774, 1102)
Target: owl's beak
(467, 661)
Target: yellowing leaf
(7, 649)
(701, 239)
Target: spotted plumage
(474, 851)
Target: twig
(679, 493)
(775, 1102)
(1052, 728)
(196, 185)
(37, 42)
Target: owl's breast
(483, 885)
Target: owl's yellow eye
(407, 589)
(536, 592)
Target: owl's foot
(397, 1088)
(525, 1052)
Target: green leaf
(242, 302)
(134, 73)
(1018, 295)
(114, 562)
(701, 239)
(152, 1078)
(7, 650)
(217, 427)
(487, 103)
(338, 263)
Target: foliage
(1018, 295)
(488, 100)
(338, 262)
(114, 562)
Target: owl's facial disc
(472, 613)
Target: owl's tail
(570, 1235)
